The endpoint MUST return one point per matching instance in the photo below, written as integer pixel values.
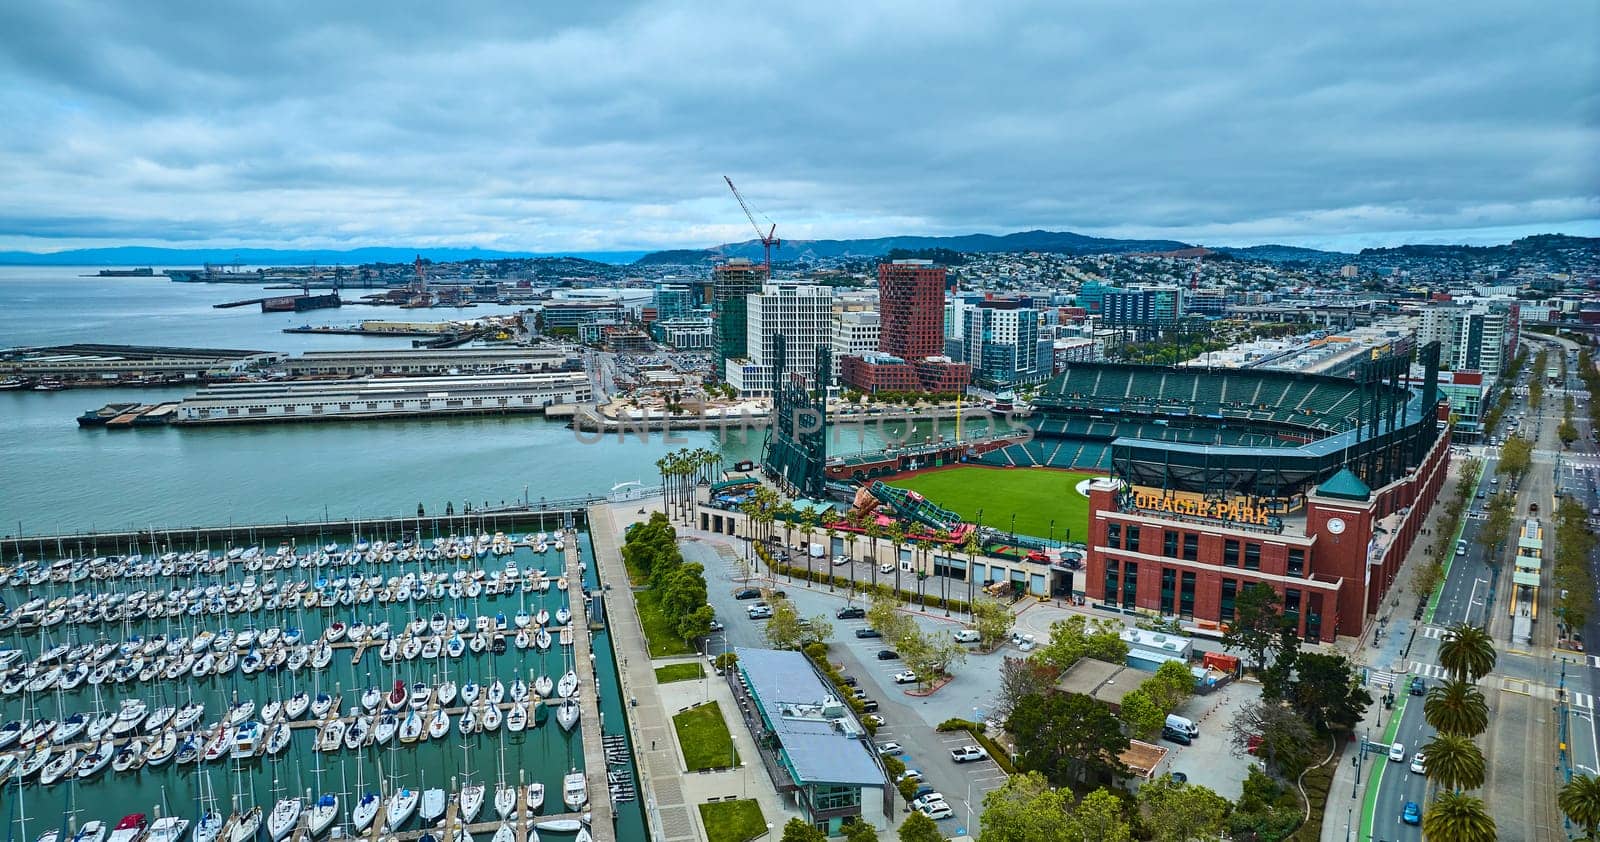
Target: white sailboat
(567, 715)
(402, 805)
(285, 815)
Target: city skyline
(609, 128)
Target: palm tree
(1456, 707)
(1454, 762)
(850, 540)
(874, 536)
(1454, 817)
(808, 525)
(970, 546)
(787, 511)
(832, 533)
(1580, 800)
(1467, 652)
(897, 536)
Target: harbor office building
(821, 760)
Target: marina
(300, 686)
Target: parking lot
(1210, 759)
(908, 720)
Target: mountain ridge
(156, 256)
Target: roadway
(1521, 747)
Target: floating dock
(121, 416)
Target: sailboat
(568, 714)
(285, 815)
(322, 814)
(365, 811)
(505, 795)
(245, 826)
(433, 805)
(402, 805)
(568, 684)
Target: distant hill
(1063, 242)
(1283, 254)
(1548, 245)
(148, 256)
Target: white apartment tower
(802, 314)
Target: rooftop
(821, 739)
(1102, 681)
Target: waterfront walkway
(594, 758)
(671, 795)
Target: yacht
(433, 805)
(402, 805)
(245, 739)
(574, 791)
(168, 829)
(129, 829)
(92, 831)
(285, 815)
(534, 798)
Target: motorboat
(285, 815)
(246, 739)
(331, 736)
(574, 791)
(433, 805)
(469, 802)
(402, 806)
(245, 826)
(167, 829)
(92, 831)
(128, 829)
(321, 815)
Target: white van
(965, 635)
(1179, 723)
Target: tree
(816, 630)
(1516, 456)
(1143, 716)
(1467, 652)
(1256, 621)
(992, 620)
(1453, 817)
(919, 828)
(860, 831)
(1171, 686)
(1266, 810)
(1100, 817)
(1456, 707)
(1286, 740)
(1027, 809)
(1580, 800)
(1453, 762)
(783, 627)
(884, 614)
(1181, 812)
(929, 656)
(800, 830)
(1077, 637)
(1071, 738)
(1021, 677)
(1325, 692)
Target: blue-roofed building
(819, 756)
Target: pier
(594, 757)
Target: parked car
(857, 693)
(869, 705)
(760, 611)
(968, 754)
(888, 655)
(849, 681)
(1418, 686)
(905, 677)
(1179, 778)
(868, 632)
(886, 567)
(1171, 734)
(1411, 813)
(1418, 763)
(874, 720)
(909, 775)
(840, 560)
(928, 798)
(937, 810)
(747, 593)
(1397, 752)
(965, 635)
(888, 749)
(850, 612)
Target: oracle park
(1158, 489)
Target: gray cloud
(608, 125)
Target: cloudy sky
(609, 125)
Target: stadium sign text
(1235, 510)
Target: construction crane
(768, 242)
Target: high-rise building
(672, 301)
(1002, 343)
(802, 314)
(1479, 337)
(855, 332)
(1142, 306)
(911, 301)
(732, 283)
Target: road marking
(1433, 632)
(1382, 679)
(1516, 685)
(1582, 701)
(1594, 661)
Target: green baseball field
(1035, 495)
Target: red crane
(768, 242)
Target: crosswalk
(1428, 670)
(1433, 632)
(1382, 679)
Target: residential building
(818, 755)
(1002, 343)
(802, 314)
(911, 299)
(1477, 337)
(855, 332)
(732, 284)
(1143, 306)
(1207, 301)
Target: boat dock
(594, 757)
(121, 416)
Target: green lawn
(664, 642)
(705, 739)
(732, 821)
(680, 672)
(1035, 495)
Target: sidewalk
(671, 796)
(1388, 656)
